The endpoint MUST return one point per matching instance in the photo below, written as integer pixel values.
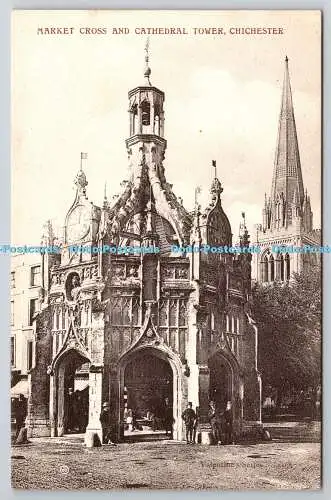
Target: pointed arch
(145, 113)
(271, 268)
(282, 267)
(287, 267)
(264, 267)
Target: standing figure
(214, 422)
(20, 413)
(189, 417)
(228, 424)
(70, 417)
(195, 427)
(105, 419)
(168, 417)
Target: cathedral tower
(287, 218)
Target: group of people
(160, 417)
(221, 423)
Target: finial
(197, 191)
(148, 70)
(215, 168)
(80, 179)
(216, 189)
(286, 59)
(105, 199)
(243, 232)
(83, 156)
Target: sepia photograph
(166, 250)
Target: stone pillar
(116, 400)
(95, 401)
(204, 379)
(37, 421)
(53, 404)
(61, 400)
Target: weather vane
(147, 73)
(147, 50)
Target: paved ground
(46, 464)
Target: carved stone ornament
(97, 305)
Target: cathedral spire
(287, 174)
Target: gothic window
(264, 268)
(126, 307)
(287, 267)
(57, 319)
(271, 268)
(163, 318)
(173, 313)
(124, 311)
(134, 119)
(182, 313)
(145, 113)
(281, 259)
(173, 323)
(156, 120)
(135, 311)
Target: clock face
(78, 224)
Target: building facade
(25, 283)
(287, 218)
(151, 324)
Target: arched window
(264, 268)
(281, 259)
(134, 119)
(287, 267)
(145, 113)
(271, 273)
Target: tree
(289, 320)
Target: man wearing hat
(105, 419)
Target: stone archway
(226, 384)
(171, 369)
(221, 381)
(63, 379)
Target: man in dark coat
(106, 423)
(70, 410)
(20, 413)
(168, 417)
(189, 417)
(228, 424)
(214, 422)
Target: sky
(222, 102)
